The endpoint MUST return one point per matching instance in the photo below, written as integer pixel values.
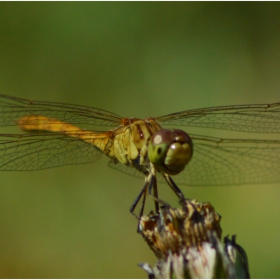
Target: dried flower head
(187, 243)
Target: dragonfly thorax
(130, 144)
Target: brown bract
(187, 244)
(175, 228)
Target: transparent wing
(44, 150)
(126, 169)
(221, 162)
(263, 118)
(215, 161)
(13, 108)
(231, 162)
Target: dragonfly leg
(152, 184)
(173, 186)
(156, 195)
(143, 194)
(143, 202)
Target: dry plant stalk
(187, 244)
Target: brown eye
(170, 150)
(182, 136)
(163, 136)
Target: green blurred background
(137, 60)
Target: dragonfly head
(170, 150)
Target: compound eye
(170, 150)
(163, 137)
(182, 137)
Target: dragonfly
(153, 147)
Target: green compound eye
(170, 150)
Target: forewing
(262, 118)
(231, 162)
(13, 108)
(45, 150)
(126, 169)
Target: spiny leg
(143, 193)
(173, 186)
(156, 195)
(143, 203)
(152, 184)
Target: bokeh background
(137, 60)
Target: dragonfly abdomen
(101, 140)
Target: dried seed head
(186, 242)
